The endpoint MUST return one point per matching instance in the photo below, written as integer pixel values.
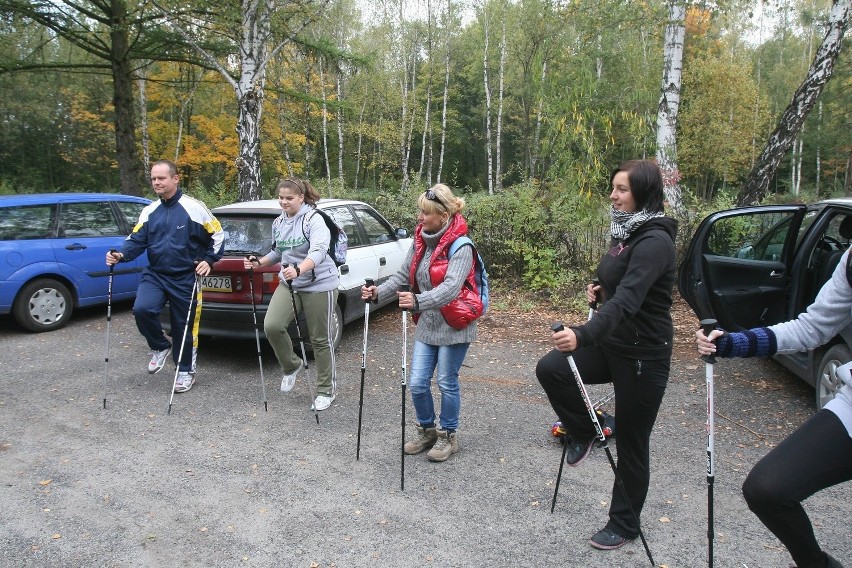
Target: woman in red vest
(445, 303)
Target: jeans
(448, 359)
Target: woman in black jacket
(628, 342)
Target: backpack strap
(459, 243)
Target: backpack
(480, 274)
(339, 243)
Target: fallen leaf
(45, 482)
(665, 520)
(56, 536)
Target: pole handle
(594, 305)
(367, 283)
(708, 325)
(556, 327)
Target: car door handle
(344, 269)
(383, 261)
(75, 246)
(776, 273)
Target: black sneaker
(576, 452)
(606, 539)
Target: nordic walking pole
(109, 319)
(557, 327)
(368, 282)
(707, 326)
(253, 258)
(183, 341)
(403, 384)
(592, 307)
(302, 343)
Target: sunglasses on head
(432, 196)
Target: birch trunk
(339, 115)
(498, 173)
(446, 95)
(142, 85)
(822, 67)
(670, 104)
(325, 125)
(426, 121)
(360, 140)
(285, 146)
(490, 170)
(536, 149)
(818, 148)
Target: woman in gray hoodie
(301, 246)
(819, 453)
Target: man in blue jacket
(183, 240)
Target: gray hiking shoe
(446, 445)
(158, 360)
(426, 438)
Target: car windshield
(245, 235)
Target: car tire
(827, 384)
(43, 305)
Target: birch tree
(804, 99)
(256, 42)
(447, 20)
(487, 86)
(498, 173)
(670, 103)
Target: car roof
(844, 201)
(271, 206)
(49, 198)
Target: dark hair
(302, 186)
(173, 169)
(646, 184)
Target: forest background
(523, 107)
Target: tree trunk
(490, 170)
(426, 121)
(142, 85)
(248, 130)
(285, 146)
(818, 149)
(498, 173)
(538, 119)
(360, 140)
(339, 115)
(446, 96)
(754, 188)
(325, 125)
(670, 104)
(130, 171)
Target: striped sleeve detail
(756, 342)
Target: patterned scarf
(624, 223)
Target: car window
(344, 218)
(755, 236)
(131, 211)
(93, 219)
(244, 235)
(377, 230)
(26, 222)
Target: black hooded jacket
(637, 277)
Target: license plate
(216, 283)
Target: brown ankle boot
(446, 445)
(426, 438)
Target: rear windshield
(244, 235)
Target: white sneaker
(289, 379)
(158, 360)
(184, 381)
(322, 402)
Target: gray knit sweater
(432, 329)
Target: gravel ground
(222, 482)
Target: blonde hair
(443, 200)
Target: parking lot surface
(221, 482)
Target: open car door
(737, 267)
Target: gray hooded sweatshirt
(305, 236)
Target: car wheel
(827, 382)
(43, 305)
(338, 327)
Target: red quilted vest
(467, 306)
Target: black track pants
(639, 389)
(816, 456)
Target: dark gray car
(762, 265)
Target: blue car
(52, 250)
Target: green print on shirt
(287, 244)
